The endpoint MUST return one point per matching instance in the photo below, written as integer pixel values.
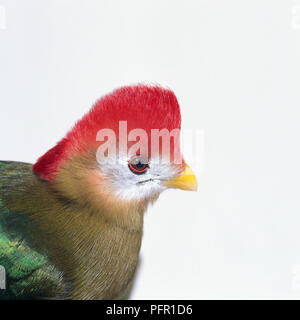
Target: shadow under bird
(71, 224)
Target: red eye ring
(138, 164)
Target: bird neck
(98, 255)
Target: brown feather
(92, 238)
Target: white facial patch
(130, 186)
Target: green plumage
(57, 245)
(29, 273)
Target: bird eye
(138, 165)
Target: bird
(71, 224)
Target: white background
(235, 68)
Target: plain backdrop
(235, 68)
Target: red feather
(142, 106)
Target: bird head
(122, 154)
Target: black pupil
(138, 165)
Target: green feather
(29, 273)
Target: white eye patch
(131, 186)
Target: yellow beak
(186, 181)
